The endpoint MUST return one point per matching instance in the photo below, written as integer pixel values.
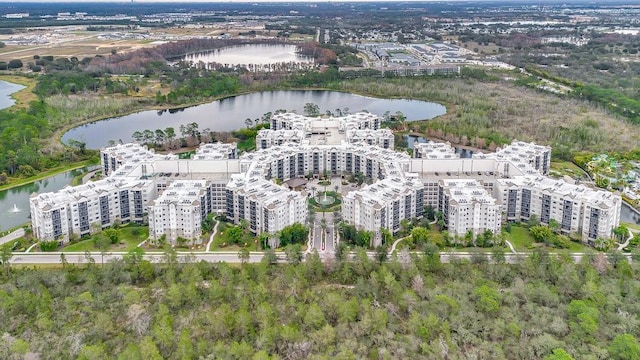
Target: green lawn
(568, 168)
(221, 241)
(520, 238)
(82, 246)
(128, 240)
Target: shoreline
(46, 174)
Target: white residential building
(179, 211)
(474, 194)
(266, 207)
(216, 151)
(434, 150)
(577, 209)
(85, 209)
(467, 207)
(113, 157)
(384, 204)
(523, 153)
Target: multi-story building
(475, 194)
(467, 207)
(266, 207)
(216, 151)
(577, 209)
(112, 158)
(85, 209)
(384, 204)
(179, 211)
(522, 153)
(434, 150)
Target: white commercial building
(175, 195)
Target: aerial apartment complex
(174, 195)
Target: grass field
(221, 240)
(522, 240)
(130, 237)
(487, 109)
(567, 168)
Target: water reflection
(258, 54)
(629, 214)
(6, 89)
(18, 197)
(229, 114)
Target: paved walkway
(626, 243)
(31, 247)
(213, 234)
(395, 243)
(510, 246)
(12, 236)
(87, 176)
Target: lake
(259, 54)
(6, 89)
(230, 113)
(14, 203)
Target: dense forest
(412, 307)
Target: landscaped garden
(325, 201)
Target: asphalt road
(229, 257)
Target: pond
(14, 203)
(6, 89)
(230, 113)
(258, 54)
(629, 214)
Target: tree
(102, 243)
(294, 254)
(160, 136)
(340, 251)
(270, 257)
(429, 212)
(558, 354)
(137, 136)
(234, 234)
(295, 233)
(5, 257)
(149, 350)
(244, 255)
(554, 225)
(170, 134)
(541, 233)
(15, 64)
(113, 235)
(420, 235)
(311, 109)
(185, 345)
(624, 347)
(382, 254)
(621, 233)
